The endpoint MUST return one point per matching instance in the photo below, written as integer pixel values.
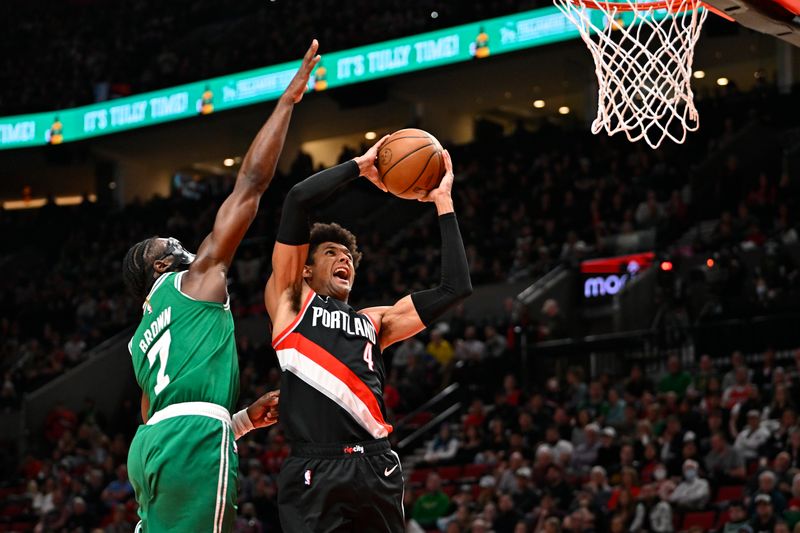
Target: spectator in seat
(584, 454)
(739, 391)
(762, 377)
(705, 372)
(615, 413)
(737, 362)
(764, 520)
(738, 521)
(558, 445)
(752, 436)
(676, 380)
(724, 463)
(411, 347)
(652, 514)
(443, 447)
(524, 493)
(629, 483)
(507, 481)
(693, 492)
(432, 504)
(598, 486)
(558, 487)
(552, 324)
(637, 384)
(767, 485)
(608, 452)
(118, 491)
(507, 515)
(440, 349)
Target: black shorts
(354, 487)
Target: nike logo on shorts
(387, 471)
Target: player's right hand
(299, 84)
(366, 164)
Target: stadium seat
(730, 493)
(449, 473)
(703, 519)
(418, 476)
(474, 471)
(722, 518)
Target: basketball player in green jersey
(182, 461)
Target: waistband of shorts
(344, 449)
(210, 410)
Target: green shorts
(184, 470)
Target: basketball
(410, 163)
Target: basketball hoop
(643, 60)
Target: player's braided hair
(332, 232)
(137, 268)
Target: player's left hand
(299, 84)
(264, 411)
(444, 190)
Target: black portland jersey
(333, 374)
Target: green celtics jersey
(184, 349)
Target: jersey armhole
(374, 325)
(296, 320)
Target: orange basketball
(410, 163)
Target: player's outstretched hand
(445, 188)
(299, 84)
(264, 411)
(366, 164)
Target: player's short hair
(137, 267)
(332, 232)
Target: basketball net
(643, 60)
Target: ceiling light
(538, 104)
(722, 82)
(699, 74)
(434, 14)
(564, 110)
(228, 162)
(370, 135)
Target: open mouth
(342, 273)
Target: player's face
(332, 273)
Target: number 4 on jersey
(368, 356)
(161, 348)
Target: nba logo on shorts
(307, 478)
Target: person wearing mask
(693, 492)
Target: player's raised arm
(291, 249)
(413, 313)
(239, 209)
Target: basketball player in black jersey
(342, 474)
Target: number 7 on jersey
(161, 348)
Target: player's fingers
(312, 50)
(448, 162)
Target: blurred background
(629, 360)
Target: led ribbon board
(608, 276)
(468, 42)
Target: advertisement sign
(605, 277)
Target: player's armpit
(397, 322)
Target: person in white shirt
(752, 436)
(693, 492)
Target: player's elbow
(463, 290)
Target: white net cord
(643, 62)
